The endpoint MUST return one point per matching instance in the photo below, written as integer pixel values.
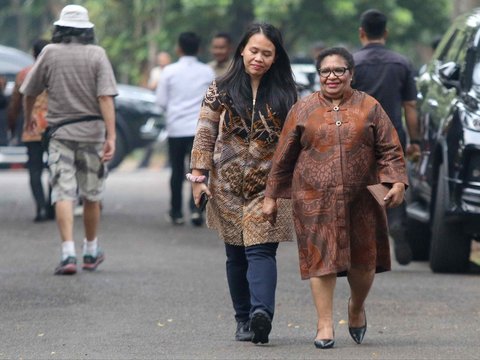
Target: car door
(435, 103)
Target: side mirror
(449, 74)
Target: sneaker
(91, 262)
(243, 332)
(260, 325)
(175, 220)
(197, 219)
(67, 266)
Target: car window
(456, 52)
(445, 49)
(476, 74)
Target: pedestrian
(336, 142)
(32, 139)
(179, 94)
(238, 129)
(163, 59)
(80, 86)
(221, 50)
(389, 78)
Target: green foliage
(132, 31)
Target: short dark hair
(340, 51)
(223, 35)
(38, 46)
(374, 23)
(66, 34)
(189, 43)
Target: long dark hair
(277, 84)
(65, 34)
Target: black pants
(252, 278)
(35, 168)
(179, 149)
(397, 217)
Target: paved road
(162, 293)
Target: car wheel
(450, 247)
(418, 235)
(120, 151)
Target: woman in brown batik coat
(240, 121)
(334, 143)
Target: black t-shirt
(388, 77)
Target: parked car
(139, 121)
(306, 78)
(444, 200)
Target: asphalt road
(162, 292)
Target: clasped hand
(269, 210)
(198, 189)
(395, 196)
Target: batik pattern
(238, 153)
(326, 157)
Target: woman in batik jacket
(240, 121)
(336, 142)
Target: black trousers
(35, 168)
(397, 217)
(252, 278)
(179, 150)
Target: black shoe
(403, 253)
(175, 220)
(358, 333)
(260, 325)
(324, 343)
(41, 215)
(401, 247)
(197, 219)
(243, 332)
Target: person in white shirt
(179, 93)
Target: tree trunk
(244, 15)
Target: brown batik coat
(325, 158)
(238, 156)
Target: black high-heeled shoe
(325, 343)
(357, 333)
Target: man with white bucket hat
(81, 85)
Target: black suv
(444, 196)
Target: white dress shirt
(180, 92)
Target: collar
(346, 96)
(374, 45)
(187, 58)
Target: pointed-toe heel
(324, 344)
(358, 333)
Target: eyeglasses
(338, 71)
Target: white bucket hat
(74, 16)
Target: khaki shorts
(76, 169)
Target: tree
(133, 31)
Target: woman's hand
(198, 189)
(270, 210)
(395, 196)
